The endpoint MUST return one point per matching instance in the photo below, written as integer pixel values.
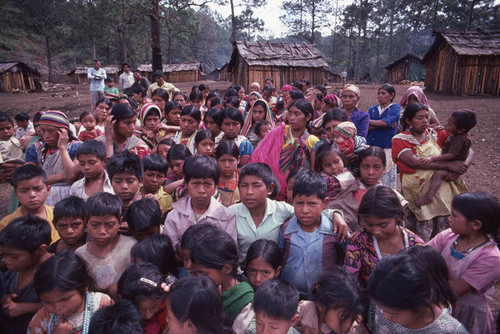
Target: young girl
(63, 283)
(232, 121)
(336, 307)
(160, 98)
(193, 235)
(158, 250)
(150, 131)
(180, 98)
(141, 284)
(194, 306)
(172, 119)
(196, 98)
(252, 97)
(263, 262)
(164, 146)
(259, 112)
(89, 121)
(228, 156)
(204, 142)
(190, 120)
(175, 158)
(381, 234)
(470, 250)
(417, 306)
(213, 122)
(289, 183)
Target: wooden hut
(177, 72)
(407, 68)
(464, 63)
(79, 73)
(15, 76)
(284, 63)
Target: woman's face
(412, 98)
(329, 127)
(188, 125)
(317, 104)
(297, 119)
(174, 117)
(384, 97)
(211, 125)
(160, 102)
(252, 99)
(102, 111)
(50, 134)
(231, 128)
(259, 113)
(180, 99)
(420, 122)
(349, 100)
(126, 127)
(241, 94)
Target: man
(343, 75)
(161, 83)
(139, 81)
(126, 79)
(96, 75)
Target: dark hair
(298, 85)
(144, 214)
(155, 162)
(215, 101)
(26, 233)
(161, 93)
(203, 134)
(338, 289)
(28, 172)
(86, 113)
(270, 79)
(464, 119)
(335, 114)
(193, 112)
(304, 106)
(125, 162)
(231, 92)
(69, 207)
(139, 90)
(237, 88)
(319, 96)
(166, 141)
(37, 117)
(233, 114)
(216, 115)
(280, 104)
(372, 151)
(323, 150)
(158, 250)
(227, 147)
(233, 101)
(102, 204)
(92, 147)
(63, 272)
(321, 88)
(201, 167)
(157, 73)
(480, 206)
(295, 171)
(195, 95)
(203, 87)
(178, 152)
(382, 202)
(389, 88)
(309, 183)
(216, 250)
(276, 299)
(197, 299)
(194, 234)
(121, 318)
(105, 101)
(410, 111)
(263, 171)
(141, 281)
(125, 64)
(259, 125)
(179, 93)
(268, 250)
(121, 111)
(171, 106)
(109, 79)
(296, 95)
(22, 116)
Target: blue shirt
(362, 120)
(382, 137)
(96, 84)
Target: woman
(415, 142)
(416, 94)
(259, 112)
(350, 96)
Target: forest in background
(363, 37)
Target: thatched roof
(469, 43)
(405, 59)
(83, 69)
(16, 66)
(176, 67)
(278, 54)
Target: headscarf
(247, 125)
(353, 88)
(346, 130)
(287, 88)
(418, 92)
(333, 100)
(145, 110)
(55, 118)
(259, 97)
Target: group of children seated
(184, 234)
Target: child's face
(176, 166)
(32, 193)
(6, 130)
(201, 191)
(180, 99)
(371, 169)
(211, 125)
(206, 147)
(70, 229)
(38, 130)
(381, 228)
(451, 126)
(216, 275)
(175, 326)
(332, 320)
(160, 102)
(149, 307)
(264, 130)
(125, 185)
(458, 223)
(317, 104)
(188, 125)
(338, 138)
(259, 270)
(259, 113)
(227, 165)
(231, 128)
(186, 260)
(152, 121)
(297, 119)
(174, 117)
(103, 229)
(308, 210)
(254, 192)
(205, 93)
(152, 181)
(110, 84)
(50, 134)
(102, 111)
(267, 325)
(252, 99)
(18, 259)
(91, 166)
(137, 97)
(196, 103)
(89, 122)
(162, 150)
(412, 98)
(289, 190)
(126, 127)
(406, 318)
(332, 164)
(63, 304)
(22, 124)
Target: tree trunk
(233, 23)
(123, 38)
(157, 62)
(313, 19)
(49, 56)
(358, 42)
(391, 31)
(471, 11)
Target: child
(232, 121)
(228, 156)
(193, 235)
(141, 284)
(158, 250)
(263, 262)
(204, 143)
(470, 250)
(194, 305)
(196, 98)
(213, 123)
(190, 121)
(262, 128)
(89, 122)
(155, 172)
(151, 132)
(63, 284)
(32, 189)
(107, 253)
(456, 148)
(24, 125)
(120, 318)
(69, 220)
(91, 156)
(345, 135)
(101, 108)
(308, 244)
(24, 245)
(416, 307)
(259, 112)
(164, 146)
(381, 234)
(201, 175)
(336, 306)
(175, 158)
(111, 92)
(160, 97)
(289, 183)
(11, 151)
(172, 120)
(144, 218)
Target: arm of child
(452, 176)
(14, 310)
(109, 134)
(71, 167)
(460, 287)
(444, 157)
(170, 187)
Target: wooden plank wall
(281, 75)
(10, 81)
(398, 73)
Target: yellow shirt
(18, 213)
(171, 89)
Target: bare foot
(423, 201)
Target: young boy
(110, 92)
(122, 317)
(308, 244)
(11, 151)
(92, 158)
(201, 175)
(24, 245)
(456, 147)
(257, 216)
(155, 173)
(144, 218)
(275, 304)
(69, 221)
(107, 253)
(24, 125)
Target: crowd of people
(272, 212)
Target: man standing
(161, 83)
(96, 75)
(343, 75)
(126, 79)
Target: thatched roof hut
(285, 63)
(177, 72)
(464, 63)
(407, 68)
(79, 73)
(16, 75)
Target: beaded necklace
(87, 314)
(461, 255)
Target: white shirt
(126, 80)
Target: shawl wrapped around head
(247, 126)
(418, 92)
